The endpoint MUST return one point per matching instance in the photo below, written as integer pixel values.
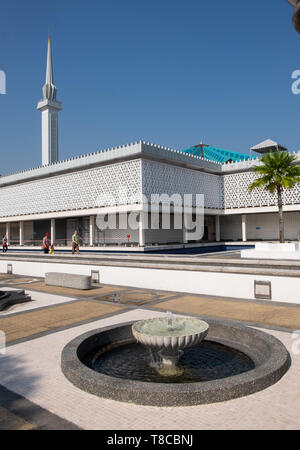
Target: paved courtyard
(34, 394)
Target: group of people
(49, 248)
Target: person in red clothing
(4, 243)
(46, 243)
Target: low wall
(236, 285)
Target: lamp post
(296, 16)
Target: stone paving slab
(6, 276)
(138, 297)
(34, 322)
(103, 292)
(10, 421)
(265, 314)
(18, 413)
(32, 369)
(38, 300)
(17, 280)
(94, 291)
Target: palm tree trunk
(281, 220)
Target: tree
(277, 173)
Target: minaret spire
(49, 108)
(49, 72)
(49, 90)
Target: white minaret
(49, 108)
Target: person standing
(4, 244)
(46, 243)
(75, 243)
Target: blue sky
(167, 71)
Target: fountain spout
(169, 318)
(169, 336)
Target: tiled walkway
(11, 421)
(245, 311)
(36, 336)
(32, 369)
(31, 323)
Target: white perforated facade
(237, 195)
(108, 185)
(118, 180)
(161, 178)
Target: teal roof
(215, 154)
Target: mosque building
(61, 196)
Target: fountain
(169, 337)
(174, 361)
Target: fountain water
(169, 318)
(168, 337)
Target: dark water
(206, 362)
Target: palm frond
(277, 171)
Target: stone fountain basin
(269, 355)
(183, 333)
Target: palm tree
(277, 173)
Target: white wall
(284, 289)
(260, 226)
(231, 228)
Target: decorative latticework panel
(160, 178)
(237, 195)
(124, 183)
(109, 185)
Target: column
(142, 230)
(21, 233)
(52, 231)
(218, 231)
(187, 225)
(8, 233)
(92, 230)
(184, 232)
(244, 227)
